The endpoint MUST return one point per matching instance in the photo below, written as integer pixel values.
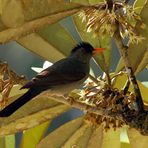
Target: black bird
(60, 78)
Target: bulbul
(60, 78)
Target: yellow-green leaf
(121, 80)
(52, 42)
(103, 60)
(38, 14)
(35, 8)
(35, 134)
(138, 53)
(85, 2)
(2, 142)
(33, 113)
(111, 138)
(93, 2)
(58, 137)
(58, 37)
(125, 145)
(16, 91)
(138, 5)
(7, 141)
(10, 141)
(96, 138)
(80, 138)
(41, 47)
(136, 139)
(12, 17)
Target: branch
(140, 119)
(124, 54)
(126, 87)
(83, 106)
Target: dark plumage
(87, 47)
(60, 78)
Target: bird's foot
(70, 100)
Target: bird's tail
(11, 108)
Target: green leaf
(103, 60)
(7, 141)
(138, 53)
(48, 44)
(35, 134)
(58, 137)
(10, 141)
(36, 15)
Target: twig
(108, 79)
(127, 116)
(110, 4)
(93, 79)
(83, 106)
(126, 87)
(124, 54)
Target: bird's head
(85, 50)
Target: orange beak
(97, 50)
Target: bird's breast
(65, 89)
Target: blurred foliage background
(21, 60)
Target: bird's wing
(62, 72)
